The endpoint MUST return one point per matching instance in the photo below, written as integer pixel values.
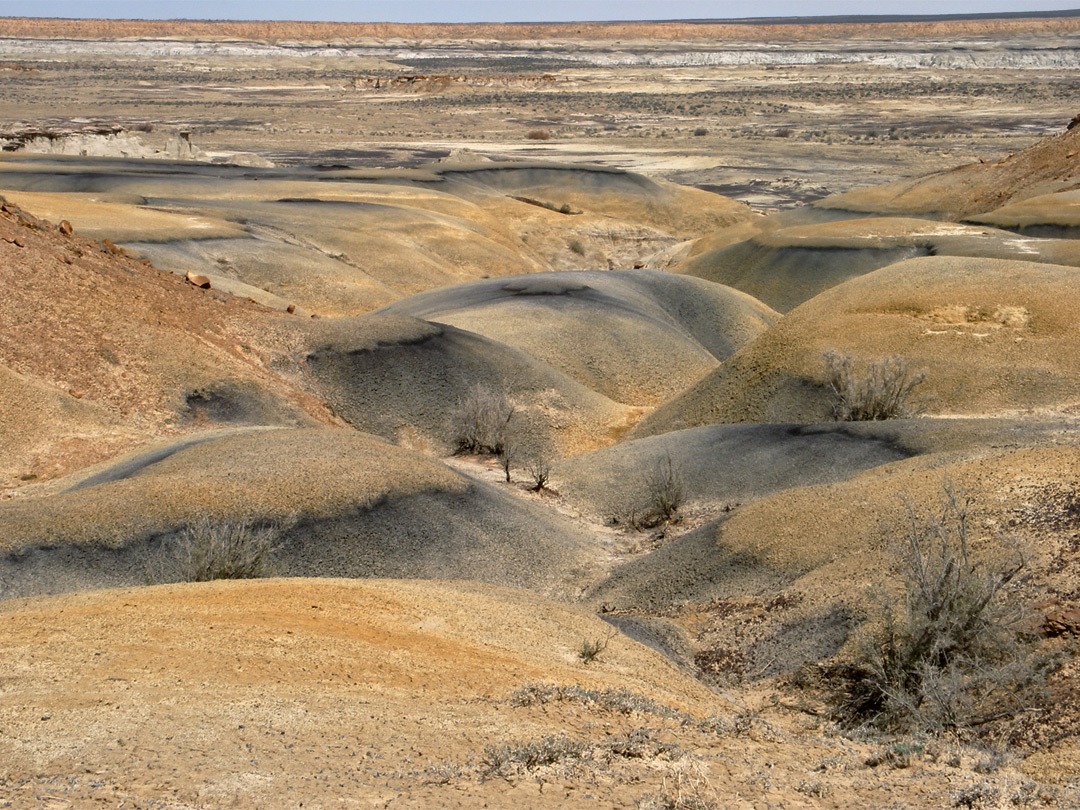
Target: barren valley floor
(525, 416)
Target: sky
(507, 10)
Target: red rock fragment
(199, 280)
(65, 227)
(1062, 621)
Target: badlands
(502, 356)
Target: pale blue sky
(507, 10)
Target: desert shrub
(502, 759)
(949, 654)
(576, 246)
(700, 131)
(619, 701)
(538, 469)
(591, 648)
(482, 421)
(539, 135)
(665, 488)
(883, 391)
(207, 550)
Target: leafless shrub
(481, 421)
(507, 455)
(665, 488)
(539, 135)
(700, 131)
(576, 246)
(206, 550)
(949, 654)
(883, 391)
(538, 469)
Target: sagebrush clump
(882, 391)
(207, 550)
(949, 654)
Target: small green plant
(590, 649)
(883, 391)
(481, 421)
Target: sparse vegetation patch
(883, 390)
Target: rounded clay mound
(1046, 167)
(297, 687)
(346, 504)
(1048, 215)
(720, 465)
(636, 336)
(993, 336)
(401, 377)
(785, 266)
(792, 573)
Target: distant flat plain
(770, 114)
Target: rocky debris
(1074, 123)
(1059, 619)
(65, 227)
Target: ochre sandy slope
(1051, 165)
(994, 336)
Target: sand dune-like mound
(45, 431)
(318, 688)
(110, 346)
(403, 378)
(346, 504)
(992, 335)
(1048, 166)
(788, 265)
(638, 336)
(1048, 215)
(783, 580)
(720, 466)
(350, 241)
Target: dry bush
(619, 701)
(206, 551)
(538, 469)
(949, 654)
(481, 421)
(883, 391)
(685, 786)
(576, 246)
(506, 759)
(590, 649)
(539, 135)
(665, 488)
